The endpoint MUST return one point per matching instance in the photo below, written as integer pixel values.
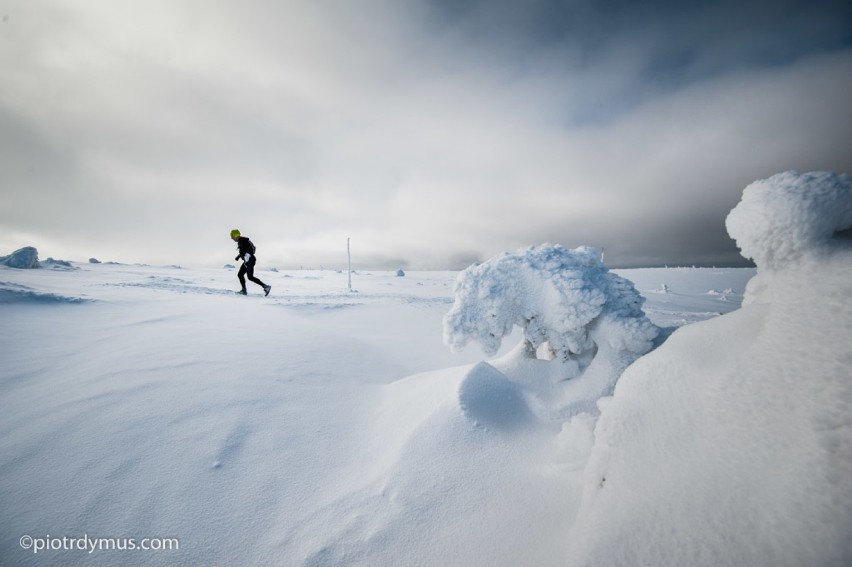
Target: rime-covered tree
(567, 302)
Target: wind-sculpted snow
(731, 444)
(782, 218)
(559, 297)
(489, 399)
(11, 293)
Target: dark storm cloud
(652, 46)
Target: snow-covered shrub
(24, 258)
(559, 297)
(789, 214)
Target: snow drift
(731, 444)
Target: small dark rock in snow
(229, 266)
(400, 273)
(94, 261)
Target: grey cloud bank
(432, 134)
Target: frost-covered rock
(54, 264)
(559, 297)
(27, 259)
(789, 215)
(400, 273)
(24, 258)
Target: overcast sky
(434, 134)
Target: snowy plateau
(659, 416)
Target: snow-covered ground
(322, 426)
(316, 426)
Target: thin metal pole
(349, 257)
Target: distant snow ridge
(790, 214)
(563, 300)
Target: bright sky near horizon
(433, 133)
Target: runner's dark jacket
(244, 245)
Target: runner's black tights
(248, 268)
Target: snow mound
(731, 444)
(782, 218)
(24, 258)
(448, 453)
(488, 398)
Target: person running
(246, 254)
